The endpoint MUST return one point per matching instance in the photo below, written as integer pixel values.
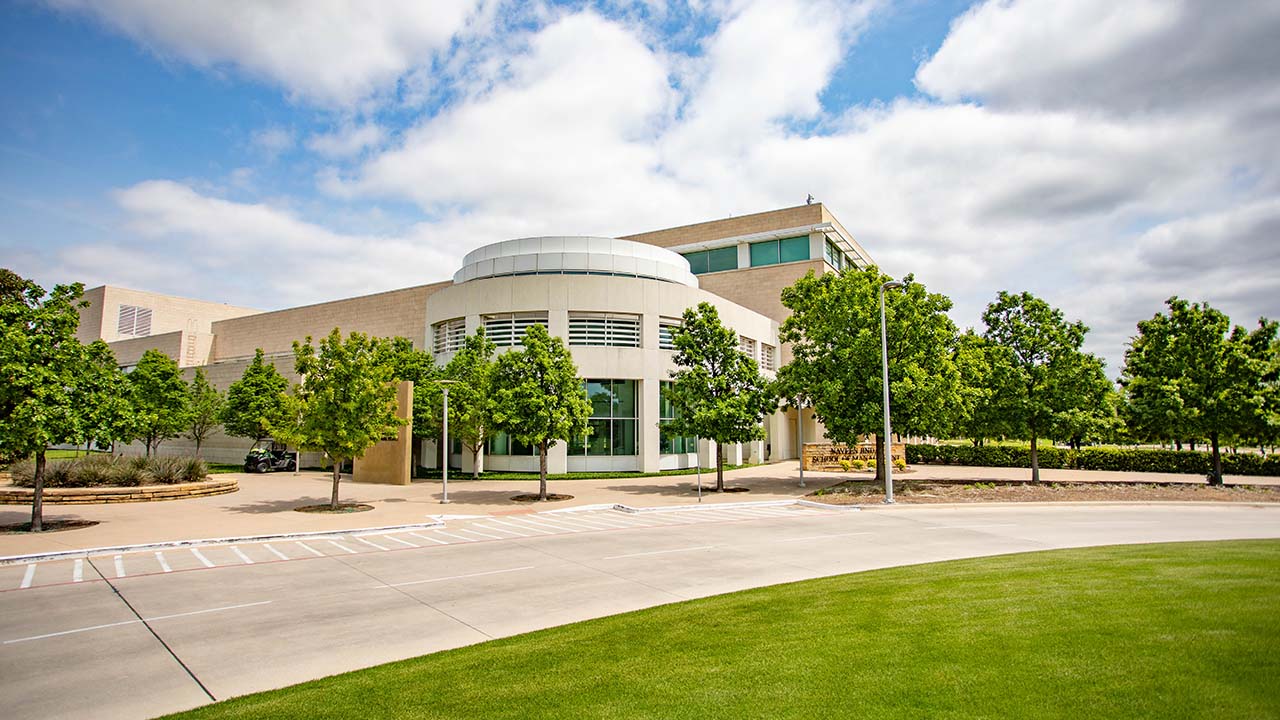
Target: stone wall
(828, 456)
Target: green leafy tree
(41, 363)
(160, 401)
(206, 409)
(1213, 374)
(469, 411)
(1051, 376)
(834, 331)
(418, 367)
(346, 401)
(1092, 415)
(984, 369)
(103, 398)
(719, 392)
(537, 396)
(255, 402)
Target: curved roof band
(575, 255)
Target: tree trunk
(1178, 444)
(475, 462)
(198, 441)
(337, 477)
(1215, 477)
(719, 468)
(880, 458)
(1193, 446)
(37, 495)
(1035, 460)
(542, 470)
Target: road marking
(970, 527)
(823, 537)
(477, 532)
(245, 558)
(522, 527)
(463, 538)
(659, 552)
(28, 576)
(553, 526)
(367, 542)
(77, 574)
(163, 565)
(454, 577)
(402, 542)
(133, 622)
(577, 522)
(274, 551)
(424, 537)
(308, 548)
(200, 556)
(342, 547)
(501, 530)
(119, 566)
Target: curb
(1065, 503)
(730, 506)
(65, 554)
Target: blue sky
(1105, 156)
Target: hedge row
(106, 470)
(1117, 459)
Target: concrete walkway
(264, 505)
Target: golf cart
(270, 456)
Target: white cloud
(348, 140)
(273, 141)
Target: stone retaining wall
(143, 493)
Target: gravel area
(857, 492)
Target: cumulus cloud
(348, 140)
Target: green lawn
(1189, 630)
(456, 475)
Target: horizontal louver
(666, 334)
(448, 335)
(767, 361)
(604, 329)
(747, 346)
(507, 330)
(134, 321)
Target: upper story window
(134, 321)
(747, 346)
(768, 360)
(604, 329)
(667, 328)
(448, 335)
(507, 329)
(705, 261)
(835, 256)
(772, 252)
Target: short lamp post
(444, 455)
(884, 377)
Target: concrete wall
(389, 462)
(168, 313)
(733, 226)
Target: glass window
(764, 253)
(613, 419)
(670, 443)
(725, 258)
(793, 249)
(697, 261)
(501, 443)
(834, 256)
(666, 333)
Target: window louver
(134, 321)
(604, 329)
(448, 335)
(507, 329)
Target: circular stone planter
(105, 494)
(535, 497)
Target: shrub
(859, 464)
(845, 465)
(98, 470)
(1095, 458)
(899, 464)
(871, 464)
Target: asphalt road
(140, 634)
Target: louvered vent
(448, 335)
(604, 329)
(134, 321)
(507, 329)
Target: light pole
(884, 378)
(444, 462)
(800, 433)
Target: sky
(1104, 156)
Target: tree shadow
(266, 507)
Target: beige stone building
(614, 301)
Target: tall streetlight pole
(444, 462)
(884, 377)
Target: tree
(469, 412)
(103, 398)
(834, 331)
(418, 367)
(41, 363)
(984, 368)
(1051, 376)
(1093, 413)
(1212, 374)
(717, 390)
(255, 402)
(537, 396)
(206, 409)
(346, 401)
(161, 406)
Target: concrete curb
(1061, 503)
(66, 554)
(730, 506)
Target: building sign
(828, 456)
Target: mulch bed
(857, 492)
(343, 508)
(48, 526)
(712, 488)
(535, 497)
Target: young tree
(1193, 359)
(418, 367)
(255, 402)
(469, 420)
(1092, 413)
(834, 330)
(718, 391)
(206, 409)
(346, 401)
(161, 406)
(984, 369)
(537, 396)
(41, 363)
(1051, 376)
(103, 398)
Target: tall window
(747, 346)
(448, 335)
(835, 256)
(501, 443)
(604, 329)
(669, 443)
(667, 328)
(507, 329)
(134, 321)
(613, 419)
(705, 261)
(767, 361)
(772, 252)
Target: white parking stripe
(28, 576)
(341, 547)
(659, 552)
(454, 577)
(392, 538)
(200, 556)
(823, 537)
(366, 542)
(163, 565)
(501, 530)
(133, 622)
(244, 558)
(77, 574)
(522, 527)
(590, 524)
(119, 566)
(553, 526)
(308, 548)
(477, 532)
(463, 538)
(274, 551)
(424, 537)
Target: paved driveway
(140, 634)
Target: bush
(899, 464)
(845, 465)
(105, 470)
(1095, 458)
(859, 465)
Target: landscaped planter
(142, 493)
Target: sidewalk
(264, 505)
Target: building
(613, 300)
